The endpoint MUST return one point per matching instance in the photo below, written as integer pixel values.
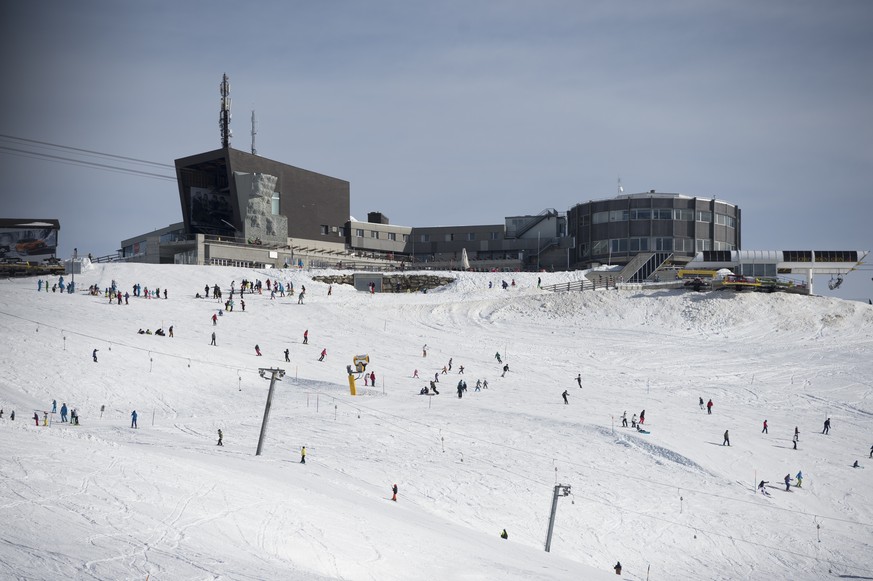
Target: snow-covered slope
(104, 501)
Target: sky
(102, 500)
(452, 113)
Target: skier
(825, 430)
(171, 330)
(415, 374)
(366, 379)
(133, 419)
(485, 384)
(94, 355)
(709, 407)
(306, 337)
(701, 403)
(564, 395)
(424, 350)
(257, 350)
(799, 478)
(323, 353)
(220, 436)
(795, 440)
(433, 388)
(242, 304)
(436, 376)
(504, 534)
(617, 567)
(450, 363)
(300, 298)
(460, 389)
(63, 412)
(727, 439)
(287, 358)
(787, 482)
(303, 455)
(505, 369)
(394, 490)
(214, 319)
(764, 431)
(762, 489)
(856, 465)
(213, 339)
(579, 380)
(642, 417)
(796, 433)
(35, 418)
(624, 419)
(634, 421)
(497, 357)
(54, 406)
(461, 370)
(445, 371)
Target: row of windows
(470, 236)
(658, 214)
(687, 245)
(376, 235)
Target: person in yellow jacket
(303, 455)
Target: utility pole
(560, 490)
(275, 374)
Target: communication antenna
(620, 188)
(254, 132)
(224, 115)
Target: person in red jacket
(323, 353)
(394, 490)
(709, 407)
(373, 378)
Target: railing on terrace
(581, 285)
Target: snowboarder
(825, 430)
(394, 490)
(634, 421)
(787, 482)
(564, 395)
(220, 436)
(856, 465)
(303, 455)
(709, 407)
(133, 419)
(504, 534)
(287, 358)
(433, 388)
(764, 431)
(94, 355)
(642, 417)
(624, 419)
(579, 380)
(505, 369)
(323, 353)
(306, 337)
(799, 478)
(727, 439)
(257, 350)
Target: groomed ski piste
(104, 501)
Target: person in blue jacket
(63, 412)
(133, 419)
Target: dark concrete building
(234, 194)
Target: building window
(639, 245)
(618, 216)
(704, 216)
(495, 236)
(683, 245)
(324, 230)
(600, 247)
(275, 208)
(703, 245)
(359, 232)
(425, 237)
(406, 237)
(392, 236)
(341, 232)
(725, 220)
(618, 245)
(600, 218)
(642, 214)
(471, 235)
(450, 237)
(663, 244)
(374, 234)
(683, 215)
(584, 219)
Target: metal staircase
(547, 213)
(644, 265)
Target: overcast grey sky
(464, 112)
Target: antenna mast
(224, 115)
(254, 132)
